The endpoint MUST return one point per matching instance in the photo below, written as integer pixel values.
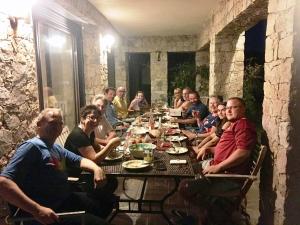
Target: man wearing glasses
(81, 141)
(34, 179)
(231, 154)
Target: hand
(201, 153)
(212, 169)
(195, 114)
(99, 178)
(45, 215)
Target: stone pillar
(280, 203)
(202, 63)
(159, 75)
(95, 63)
(227, 65)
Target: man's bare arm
(11, 193)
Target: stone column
(280, 203)
(227, 65)
(202, 60)
(95, 63)
(159, 75)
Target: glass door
(59, 66)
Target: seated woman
(82, 142)
(177, 99)
(139, 103)
(104, 132)
(205, 146)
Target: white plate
(139, 130)
(170, 125)
(135, 164)
(177, 150)
(128, 120)
(176, 138)
(118, 156)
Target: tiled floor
(156, 188)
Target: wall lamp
(16, 10)
(158, 56)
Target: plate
(128, 120)
(139, 130)
(176, 138)
(135, 164)
(118, 156)
(177, 150)
(170, 125)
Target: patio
(67, 46)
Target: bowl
(137, 150)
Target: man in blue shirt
(110, 111)
(35, 181)
(196, 106)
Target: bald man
(120, 103)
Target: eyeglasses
(232, 107)
(93, 118)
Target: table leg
(176, 180)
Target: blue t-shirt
(209, 122)
(198, 107)
(111, 114)
(38, 170)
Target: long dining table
(171, 171)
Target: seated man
(231, 154)
(196, 105)
(205, 126)
(120, 103)
(104, 132)
(110, 111)
(81, 141)
(35, 182)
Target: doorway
(139, 74)
(181, 71)
(253, 90)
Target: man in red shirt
(231, 155)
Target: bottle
(151, 122)
(159, 122)
(147, 138)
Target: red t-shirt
(240, 135)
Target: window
(59, 63)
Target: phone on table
(161, 166)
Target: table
(176, 172)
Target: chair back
(257, 158)
(61, 139)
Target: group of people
(222, 138)
(35, 179)
(117, 107)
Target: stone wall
(227, 65)
(18, 86)
(235, 16)
(281, 202)
(159, 69)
